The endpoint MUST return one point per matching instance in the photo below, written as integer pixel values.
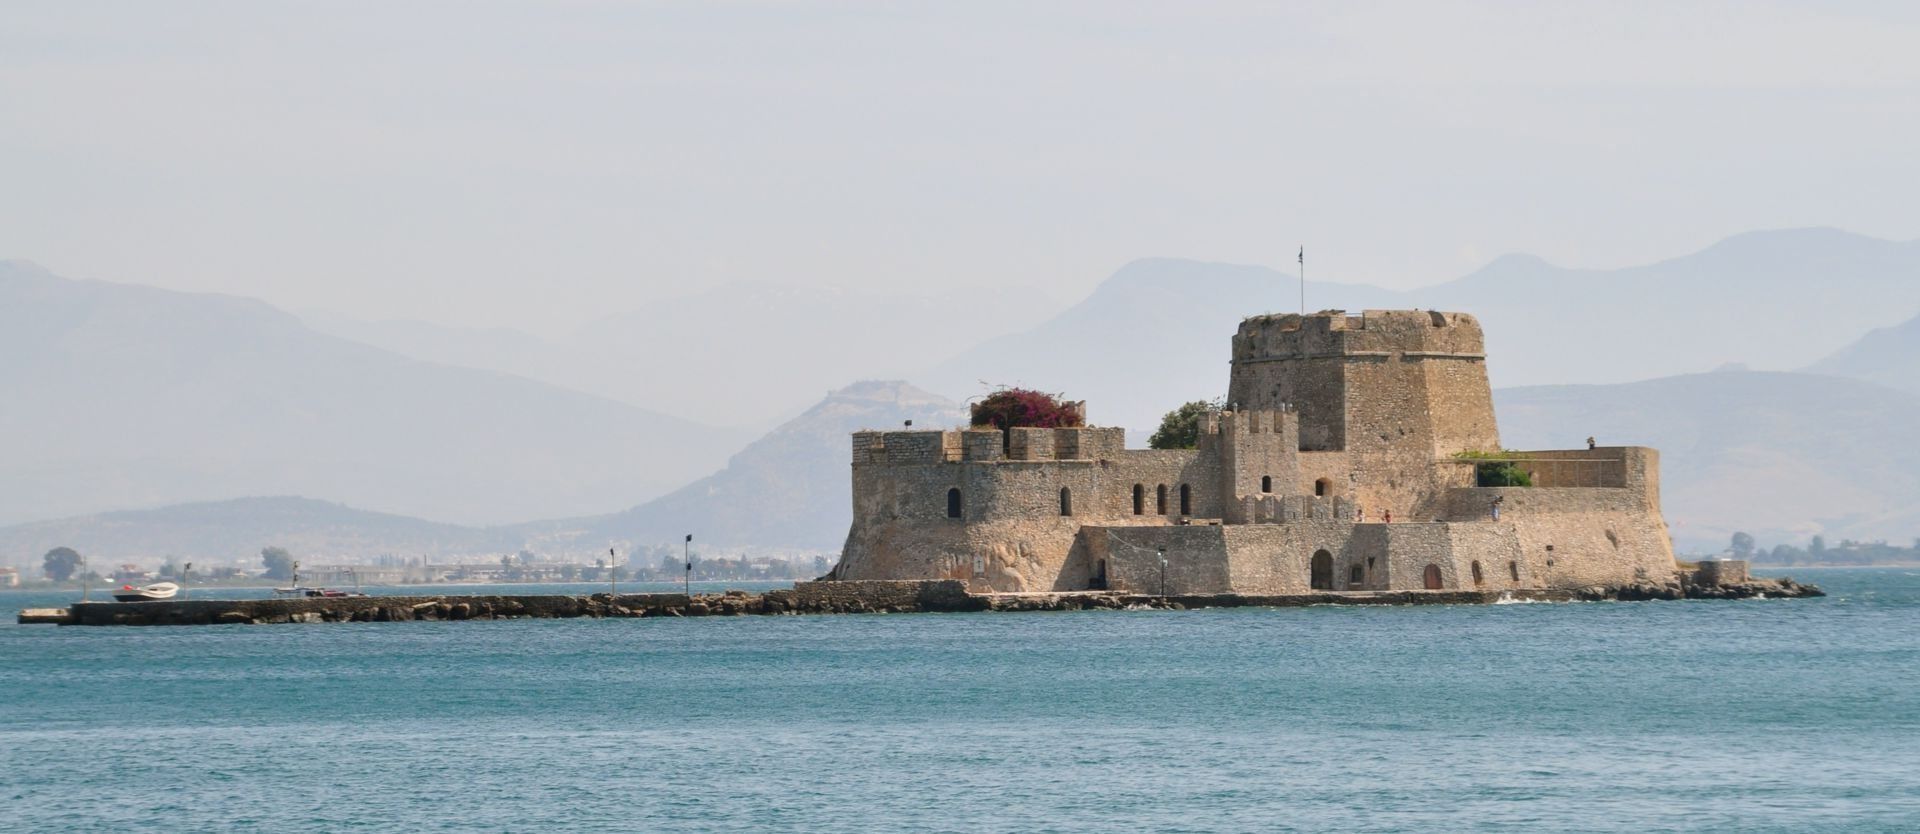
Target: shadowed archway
(1320, 573)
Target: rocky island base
(870, 597)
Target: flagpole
(1303, 282)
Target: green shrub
(1501, 474)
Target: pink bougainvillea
(1023, 408)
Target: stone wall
(1279, 558)
(1019, 518)
(1722, 572)
(1574, 537)
(1132, 558)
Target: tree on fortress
(279, 562)
(1180, 429)
(61, 562)
(1010, 408)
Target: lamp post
(613, 579)
(1163, 573)
(686, 584)
(184, 573)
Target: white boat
(158, 590)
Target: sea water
(1758, 715)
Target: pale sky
(541, 164)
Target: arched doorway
(1322, 487)
(953, 503)
(1320, 574)
(1160, 500)
(1433, 577)
(1266, 483)
(1066, 501)
(1139, 499)
(1186, 500)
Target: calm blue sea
(1769, 715)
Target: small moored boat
(304, 591)
(158, 590)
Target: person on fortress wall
(1495, 507)
(1589, 444)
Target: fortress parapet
(1374, 334)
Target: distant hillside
(1780, 455)
(745, 355)
(1887, 356)
(128, 396)
(225, 531)
(490, 348)
(788, 490)
(1157, 333)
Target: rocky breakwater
(854, 597)
(1717, 579)
(803, 598)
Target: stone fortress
(1335, 466)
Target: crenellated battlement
(1256, 421)
(976, 445)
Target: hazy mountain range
(746, 355)
(1886, 356)
(121, 396)
(237, 529)
(786, 491)
(1156, 333)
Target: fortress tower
(1389, 391)
(1385, 378)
